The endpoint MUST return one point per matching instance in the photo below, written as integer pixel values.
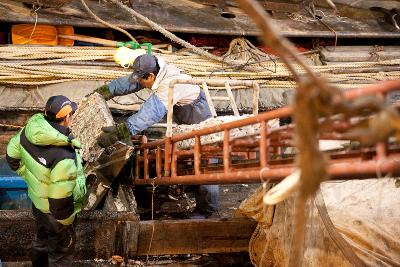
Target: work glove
(80, 189)
(103, 91)
(112, 134)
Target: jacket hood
(40, 132)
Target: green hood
(39, 132)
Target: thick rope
(105, 22)
(180, 41)
(47, 65)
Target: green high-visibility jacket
(47, 158)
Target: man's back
(184, 94)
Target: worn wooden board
(195, 236)
(15, 119)
(105, 169)
(211, 17)
(101, 234)
(359, 53)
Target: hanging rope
(180, 41)
(105, 22)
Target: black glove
(103, 91)
(112, 134)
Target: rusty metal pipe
(227, 151)
(381, 87)
(277, 113)
(145, 159)
(340, 171)
(174, 163)
(152, 144)
(158, 162)
(263, 144)
(167, 156)
(197, 154)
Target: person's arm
(80, 187)
(151, 112)
(62, 183)
(122, 86)
(117, 87)
(13, 154)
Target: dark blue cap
(58, 107)
(143, 65)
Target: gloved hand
(103, 91)
(80, 189)
(112, 134)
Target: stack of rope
(40, 65)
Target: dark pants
(193, 113)
(207, 198)
(53, 243)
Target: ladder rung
(220, 98)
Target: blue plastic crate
(13, 189)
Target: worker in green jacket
(46, 156)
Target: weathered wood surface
(36, 96)
(195, 236)
(46, 3)
(359, 53)
(99, 234)
(102, 234)
(13, 118)
(4, 139)
(105, 169)
(219, 17)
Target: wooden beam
(359, 53)
(195, 236)
(101, 234)
(197, 17)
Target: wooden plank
(365, 48)
(10, 120)
(360, 53)
(106, 168)
(4, 139)
(101, 234)
(232, 99)
(195, 236)
(209, 99)
(191, 16)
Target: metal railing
(259, 156)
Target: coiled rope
(40, 65)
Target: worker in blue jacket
(190, 107)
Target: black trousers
(53, 243)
